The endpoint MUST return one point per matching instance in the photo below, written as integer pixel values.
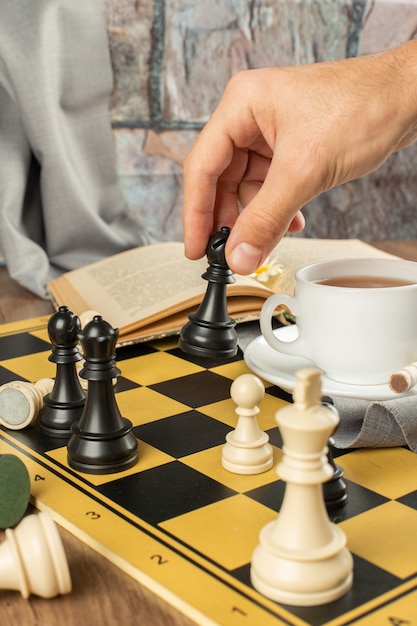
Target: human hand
(281, 136)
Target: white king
(302, 557)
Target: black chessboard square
(369, 581)
(275, 438)
(34, 439)
(340, 452)
(125, 384)
(183, 434)
(270, 495)
(7, 376)
(359, 500)
(277, 392)
(164, 492)
(410, 499)
(133, 350)
(196, 389)
(22, 344)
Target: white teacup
(356, 334)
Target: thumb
(272, 212)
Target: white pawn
(302, 557)
(32, 558)
(247, 449)
(21, 401)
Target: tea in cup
(356, 318)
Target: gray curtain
(60, 203)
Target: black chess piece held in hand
(210, 332)
(102, 441)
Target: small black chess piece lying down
(210, 332)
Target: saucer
(281, 369)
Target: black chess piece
(335, 489)
(65, 403)
(210, 332)
(102, 441)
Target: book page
(130, 285)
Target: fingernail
(245, 258)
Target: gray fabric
(387, 423)
(60, 203)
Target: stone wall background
(171, 61)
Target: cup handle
(297, 347)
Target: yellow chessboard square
(382, 536)
(209, 530)
(209, 462)
(33, 367)
(143, 405)
(156, 367)
(235, 369)
(232, 370)
(42, 334)
(391, 472)
(167, 343)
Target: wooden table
(102, 594)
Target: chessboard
(185, 527)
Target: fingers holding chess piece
(21, 401)
(33, 560)
(247, 449)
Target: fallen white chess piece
(33, 560)
(21, 401)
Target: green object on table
(14, 490)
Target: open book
(148, 292)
